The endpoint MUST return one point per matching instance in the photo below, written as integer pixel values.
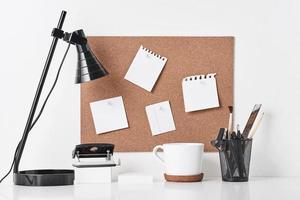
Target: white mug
(181, 159)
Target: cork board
(186, 56)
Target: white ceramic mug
(181, 159)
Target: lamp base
(44, 177)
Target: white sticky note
(86, 175)
(145, 68)
(160, 118)
(200, 92)
(109, 115)
(134, 178)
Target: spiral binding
(153, 53)
(199, 77)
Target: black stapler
(94, 155)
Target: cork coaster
(193, 178)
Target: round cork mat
(193, 178)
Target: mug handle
(155, 149)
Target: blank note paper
(109, 115)
(200, 92)
(160, 118)
(145, 68)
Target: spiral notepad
(145, 68)
(200, 92)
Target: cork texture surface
(186, 56)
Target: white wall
(266, 71)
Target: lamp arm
(37, 96)
(72, 38)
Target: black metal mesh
(235, 160)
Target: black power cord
(41, 110)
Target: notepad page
(200, 92)
(145, 68)
(160, 118)
(109, 115)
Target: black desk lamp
(89, 68)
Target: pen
(226, 134)
(233, 135)
(238, 132)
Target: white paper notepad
(145, 68)
(134, 178)
(200, 92)
(109, 115)
(160, 118)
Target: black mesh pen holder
(235, 159)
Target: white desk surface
(210, 189)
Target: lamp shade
(88, 66)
